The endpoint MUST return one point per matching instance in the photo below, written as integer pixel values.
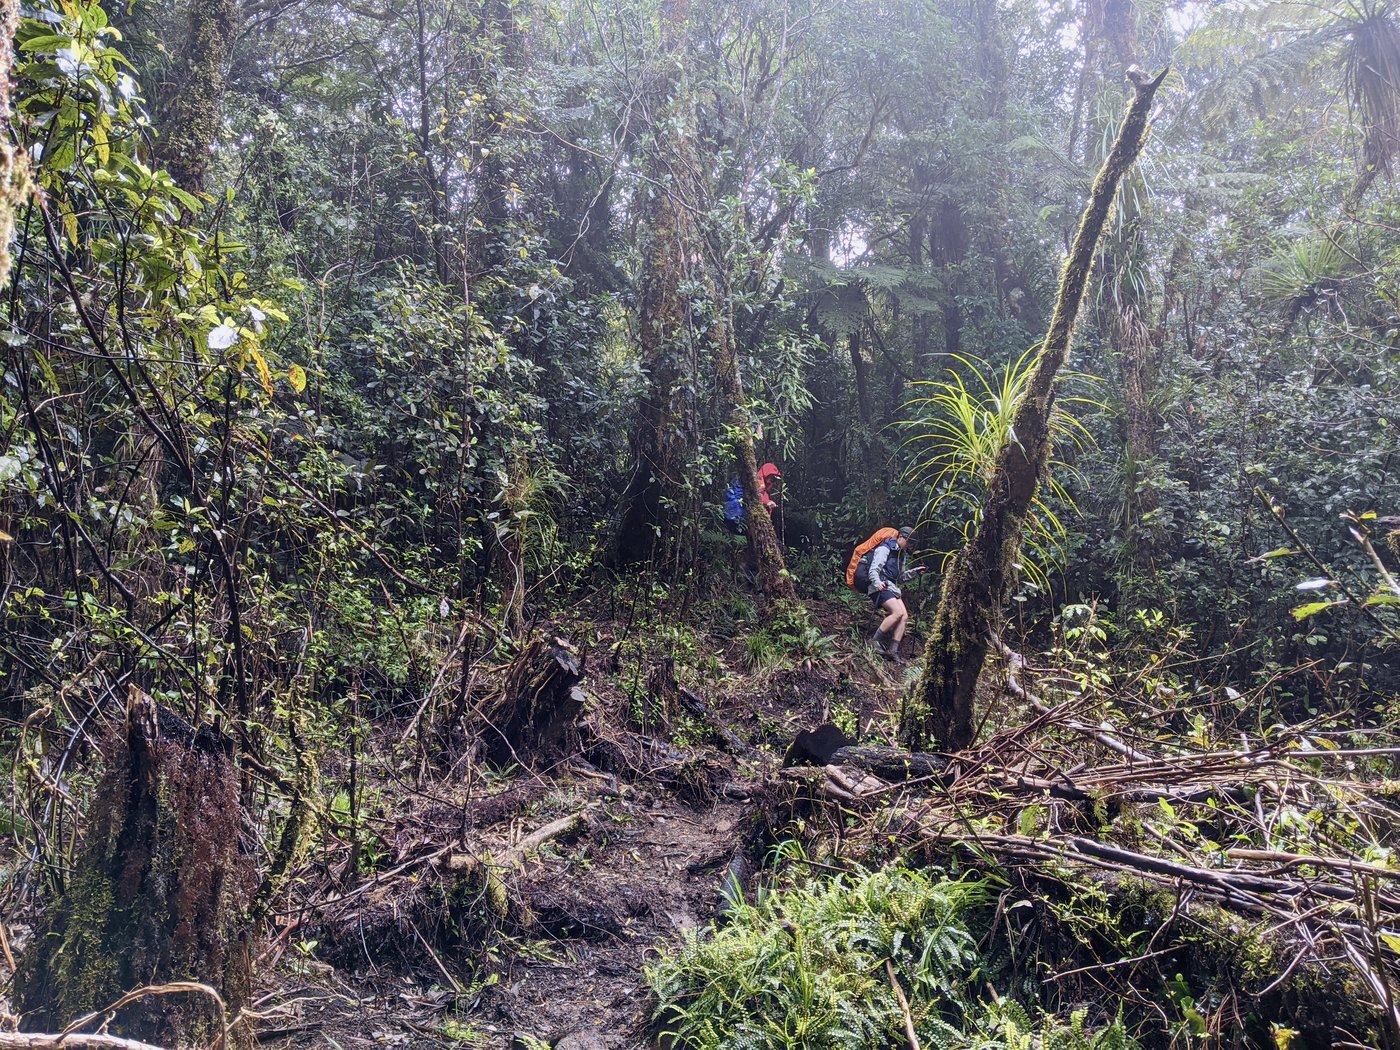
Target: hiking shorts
(879, 598)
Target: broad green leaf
(1302, 612)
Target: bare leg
(896, 618)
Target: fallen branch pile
(1293, 837)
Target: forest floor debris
(517, 906)
(522, 912)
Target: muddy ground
(456, 940)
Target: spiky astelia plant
(957, 426)
(826, 963)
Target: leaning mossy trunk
(773, 578)
(158, 893)
(977, 583)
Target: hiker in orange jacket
(770, 484)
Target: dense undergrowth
(854, 960)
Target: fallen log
(469, 863)
(827, 745)
(70, 1041)
(891, 763)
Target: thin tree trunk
(657, 506)
(11, 160)
(1125, 317)
(872, 469)
(977, 583)
(773, 577)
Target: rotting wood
(891, 763)
(464, 862)
(554, 829)
(532, 718)
(828, 745)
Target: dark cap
(907, 532)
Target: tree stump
(533, 718)
(158, 892)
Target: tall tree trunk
(1112, 45)
(919, 319)
(948, 246)
(773, 578)
(872, 467)
(432, 179)
(193, 100)
(976, 585)
(506, 54)
(658, 507)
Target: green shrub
(806, 967)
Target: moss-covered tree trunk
(773, 578)
(872, 462)
(193, 100)
(977, 583)
(658, 510)
(159, 891)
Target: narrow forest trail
(409, 962)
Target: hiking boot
(892, 652)
(881, 643)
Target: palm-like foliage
(958, 427)
(1255, 48)
(1300, 273)
(1373, 79)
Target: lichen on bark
(159, 890)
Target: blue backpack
(734, 501)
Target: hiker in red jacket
(770, 485)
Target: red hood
(766, 474)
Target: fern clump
(807, 967)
